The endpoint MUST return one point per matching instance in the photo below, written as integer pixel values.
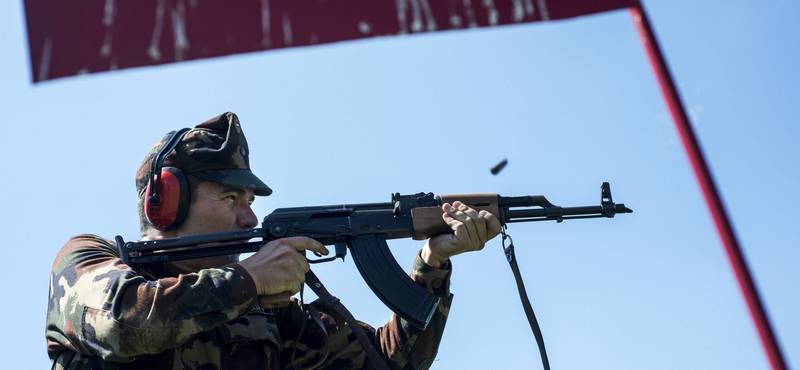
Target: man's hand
(471, 231)
(279, 267)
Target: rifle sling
(523, 296)
(310, 312)
(334, 303)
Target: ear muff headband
(158, 161)
(167, 192)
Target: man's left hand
(471, 230)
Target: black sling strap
(335, 304)
(523, 296)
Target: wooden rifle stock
(428, 222)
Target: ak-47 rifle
(364, 229)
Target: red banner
(67, 38)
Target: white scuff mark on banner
(364, 27)
(105, 50)
(454, 17)
(529, 7)
(287, 29)
(517, 12)
(543, 10)
(416, 24)
(426, 9)
(179, 31)
(153, 50)
(401, 16)
(492, 15)
(422, 18)
(44, 63)
(470, 14)
(178, 18)
(266, 40)
(109, 15)
(522, 9)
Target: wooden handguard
(428, 221)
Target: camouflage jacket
(104, 315)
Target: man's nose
(247, 218)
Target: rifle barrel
(559, 213)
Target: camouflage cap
(215, 150)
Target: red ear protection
(169, 212)
(167, 202)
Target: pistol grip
(390, 283)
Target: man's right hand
(280, 266)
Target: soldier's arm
(397, 342)
(99, 306)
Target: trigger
(340, 247)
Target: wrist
(431, 258)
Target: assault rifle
(364, 229)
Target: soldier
(209, 313)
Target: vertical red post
(709, 189)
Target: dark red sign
(68, 38)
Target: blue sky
(570, 104)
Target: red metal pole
(713, 200)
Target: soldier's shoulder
(84, 241)
(90, 239)
(80, 246)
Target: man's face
(216, 208)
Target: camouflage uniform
(103, 314)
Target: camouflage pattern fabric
(215, 150)
(104, 315)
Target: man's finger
(454, 218)
(478, 222)
(470, 219)
(492, 224)
(302, 243)
(303, 264)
